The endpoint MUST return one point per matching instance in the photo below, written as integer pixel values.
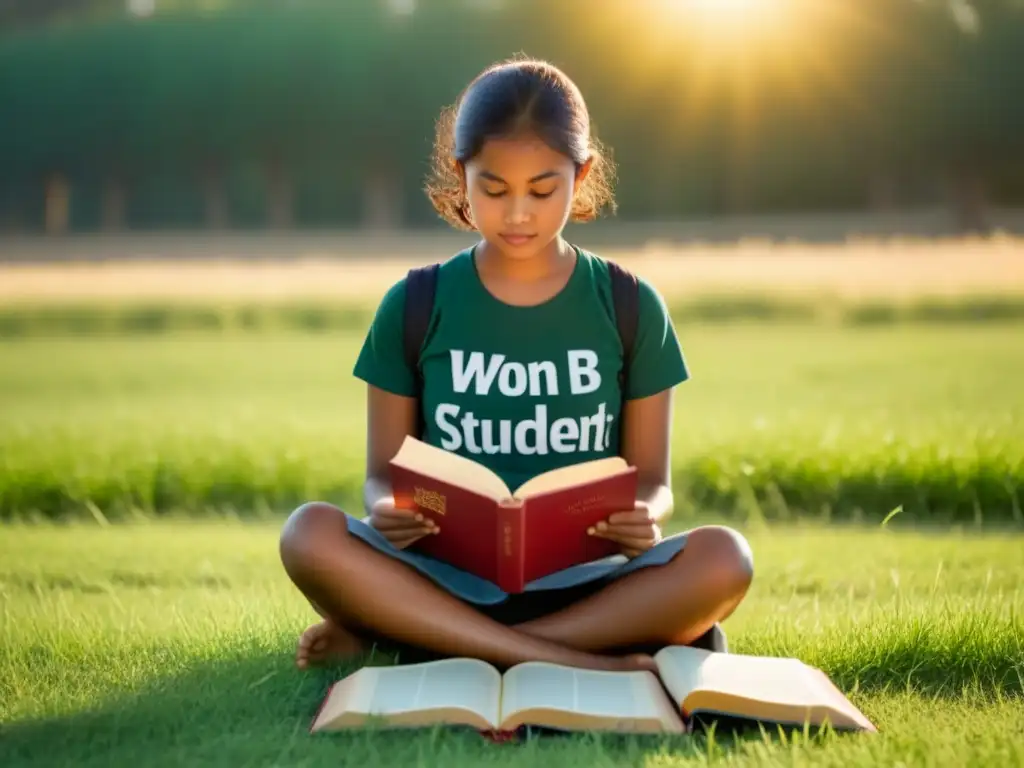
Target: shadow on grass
(255, 708)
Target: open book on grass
(510, 537)
(691, 682)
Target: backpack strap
(420, 289)
(626, 296)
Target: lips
(513, 238)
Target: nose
(519, 210)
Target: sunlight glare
(728, 18)
(729, 10)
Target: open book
(691, 682)
(510, 537)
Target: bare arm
(389, 418)
(647, 445)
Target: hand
(635, 531)
(401, 527)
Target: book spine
(511, 546)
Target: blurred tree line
(137, 114)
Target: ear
(460, 174)
(582, 172)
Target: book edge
(323, 705)
(829, 706)
(691, 717)
(424, 448)
(628, 472)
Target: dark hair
(512, 97)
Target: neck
(546, 262)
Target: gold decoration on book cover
(432, 500)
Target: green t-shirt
(523, 390)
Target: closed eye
(502, 193)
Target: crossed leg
(362, 591)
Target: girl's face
(520, 194)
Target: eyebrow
(539, 177)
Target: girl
(514, 161)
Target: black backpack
(421, 286)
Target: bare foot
(324, 641)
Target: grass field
(137, 632)
(171, 644)
(777, 421)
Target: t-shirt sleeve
(381, 361)
(658, 359)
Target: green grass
(779, 421)
(91, 318)
(170, 643)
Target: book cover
(510, 538)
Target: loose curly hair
(512, 97)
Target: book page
(577, 699)
(750, 686)
(417, 456)
(467, 684)
(574, 474)
(346, 697)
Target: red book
(510, 537)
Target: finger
(637, 531)
(397, 513)
(396, 529)
(628, 549)
(633, 542)
(392, 531)
(396, 536)
(383, 522)
(401, 517)
(632, 517)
